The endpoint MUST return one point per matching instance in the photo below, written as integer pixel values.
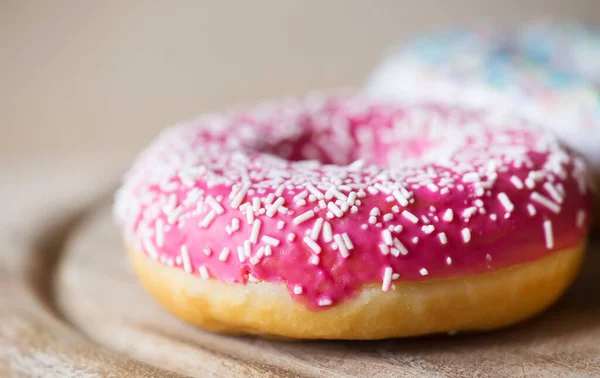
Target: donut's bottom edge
(471, 303)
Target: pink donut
(336, 217)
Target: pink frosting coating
(330, 193)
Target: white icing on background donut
(460, 75)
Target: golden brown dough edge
(477, 302)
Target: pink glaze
(384, 179)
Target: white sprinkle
(314, 233)
(448, 260)
(185, 257)
(354, 209)
(255, 231)
(312, 245)
(375, 212)
(256, 258)
(400, 198)
(395, 276)
(269, 199)
(505, 202)
(334, 209)
(160, 232)
(545, 201)
(203, 272)
(256, 204)
(268, 250)
(388, 217)
(224, 254)
(274, 207)
(384, 249)
(548, 234)
(304, 217)
(207, 251)
(398, 228)
(325, 302)
(448, 215)
(347, 241)
(443, 238)
(415, 240)
(372, 219)
(580, 219)
(387, 278)
(361, 193)
(387, 237)
(556, 196)
(314, 259)
(410, 216)
(372, 190)
(471, 177)
(235, 224)
(469, 211)
(337, 194)
(208, 218)
(247, 248)
(251, 278)
(434, 188)
(516, 182)
(351, 198)
(341, 245)
(531, 209)
(240, 253)
(291, 237)
(400, 247)
(242, 207)
(270, 240)
(529, 183)
(424, 272)
(466, 235)
(493, 217)
(215, 205)
(444, 191)
(280, 225)
(249, 215)
(395, 209)
(239, 197)
(300, 195)
(327, 233)
(316, 192)
(297, 289)
(428, 229)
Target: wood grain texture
(97, 292)
(41, 202)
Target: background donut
(519, 70)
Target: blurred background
(108, 75)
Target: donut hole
(382, 136)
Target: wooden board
(97, 292)
(70, 307)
